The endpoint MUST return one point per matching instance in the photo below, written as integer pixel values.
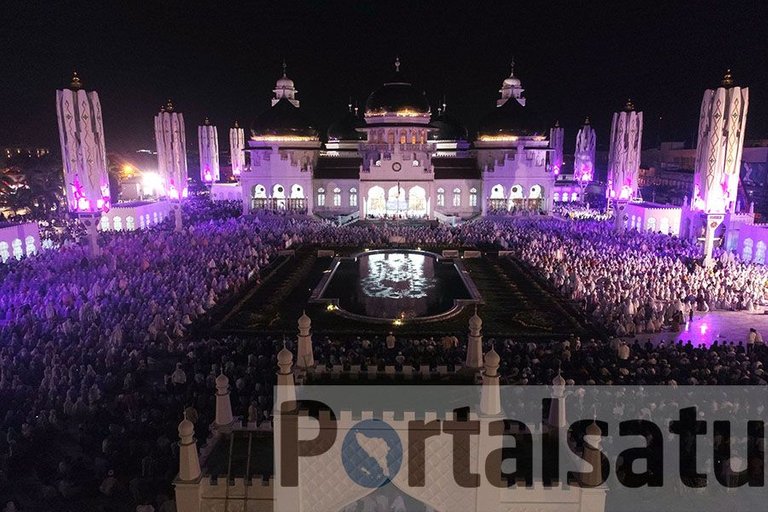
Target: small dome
(475, 322)
(593, 429)
(284, 357)
(222, 381)
(284, 120)
(510, 119)
(447, 128)
(304, 321)
(186, 428)
(512, 81)
(346, 128)
(284, 83)
(558, 381)
(492, 358)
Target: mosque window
(473, 197)
(457, 197)
(117, 223)
(760, 252)
(30, 245)
(130, 224)
(4, 252)
(321, 197)
(105, 223)
(353, 197)
(402, 137)
(413, 138)
(390, 138)
(17, 251)
(337, 197)
(440, 197)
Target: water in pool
(396, 284)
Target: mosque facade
(396, 158)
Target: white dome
(304, 321)
(284, 357)
(492, 358)
(558, 380)
(512, 81)
(222, 381)
(186, 428)
(284, 83)
(475, 322)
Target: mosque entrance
(395, 203)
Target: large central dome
(283, 121)
(397, 97)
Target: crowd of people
(98, 357)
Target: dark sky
(221, 59)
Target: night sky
(574, 59)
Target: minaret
(284, 88)
(305, 357)
(556, 418)
(224, 420)
(236, 147)
(83, 155)
(171, 151)
(592, 456)
(286, 390)
(556, 138)
(624, 160)
(187, 492)
(718, 155)
(208, 139)
(490, 397)
(475, 342)
(511, 87)
(584, 154)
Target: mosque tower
(556, 138)
(511, 88)
(584, 155)
(284, 88)
(82, 148)
(83, 155)
(208, 140)
(171, 151)
(624, 159)
(718, 155)
(236, 146)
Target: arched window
(440, 197)
(650, 224)
(402, 137)
(4, 252)
(664, 225)
(353, 196)
(337, 197)
(556, 197)
(473, 197)
(156, 217)
(141, 222)
(746, 252)
(17, 251)
(105, 223)
(760, 253)
(259, 192)
(146, 220)
(390, 137)
(457, 197)
(30, 243)
(321, 197)
(130, 225)
(574, 196)
(117, 223)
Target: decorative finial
(557, 124)
(75, 83)
(349, 104)
(397, 64)
(629, 106)
(285, 67)
(237, 125)
(169, 105)
(207, 121)
(586, 120)
(443, 103)
(512, 68)
(727, 79)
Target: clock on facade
(396, 166)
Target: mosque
(397, 159)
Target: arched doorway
(259, 197)
(417, 202)
(498, 199)
(297, 200)
(376, 205)
(396, 203)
